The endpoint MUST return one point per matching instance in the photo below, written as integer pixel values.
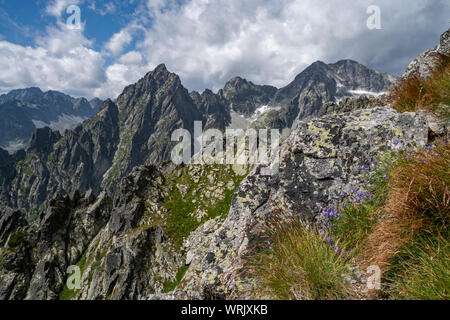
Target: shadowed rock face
(244, 96)
(62, 164)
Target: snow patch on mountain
(64, 122)
(360, 92)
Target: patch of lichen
(324, 141)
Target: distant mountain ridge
(136, 128)
(24, 110)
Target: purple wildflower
(395, 143)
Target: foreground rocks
(321, 160)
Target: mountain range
(24, 110)
(95, 155)
(103, 196)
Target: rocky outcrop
(128, 247)
(426, 62)
(150, 111)
(321, 160)
(352, 104)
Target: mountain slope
(149, 111)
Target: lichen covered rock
(322, 159)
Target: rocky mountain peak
(245, 96)
(21, 94)
(42, 140)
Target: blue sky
(23, 20)
(206, 42)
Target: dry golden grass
(418, 200)
(414, 93)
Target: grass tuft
(300, 265)
(432, 94)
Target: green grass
(16, 239)
(180, 221)
(300, 265)
(421, 271)
(171, 285)
(358, 219)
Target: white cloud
(107, 8)
(60, 61)
(119, 41)
(208, 42)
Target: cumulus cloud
(118, 42)
(208, 42)
(62, 60)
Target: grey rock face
(321, 159)
(10, 222)
(54, 164)
(426, 62)
(150, 111)
(244, 96)
(351, 104)
(214, 108)
(321, 83)
(34, 265)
